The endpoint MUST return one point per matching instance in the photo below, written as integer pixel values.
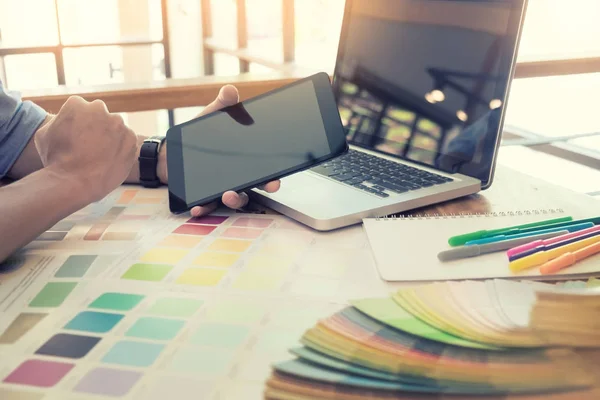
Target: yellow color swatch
(184, 241)
(257, 282)
(223, 260)
(267, 264)
(166, 256)
(236, 246)
(201, 277)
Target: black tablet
(240, 147)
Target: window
(97, 42)
(85, 43)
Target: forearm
(29, 161)
(33, 204)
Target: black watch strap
(148, 161)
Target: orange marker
(568, 259)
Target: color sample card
(181, 241)
(235, 312)
(164, 256)
(6, 394)
(68, 346)
(268, 265)
(96, 231)
(52, 236)
(76, 266)
(117, 301)
(92, 321)
(277, 341)
(191, 229)
(204, 362)
(133, 354)
(155, 328)
(148, 200)
(147, 272)
(127, 196)
(134, 217)
(174, 307)
(201, 277)
(63, 226)
(163, 388)
(252, 281)
(108, 382)
(220, 335)
(20, 326)
(232, 245)
(212, 259)
(208, 220)
(315, 286)
(39, 373)
(124, 236)
(253, 222)
(242, 233)
(53, 294)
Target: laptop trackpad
(312, 194)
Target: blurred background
(553, 110)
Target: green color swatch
(133, 354)
(53, 294)
(117, 301)
(174, 307)
(205, 361)
(155, 328)
(220, 335)
(92, 321)
(76, 266)
(235, 311)
(147, 272)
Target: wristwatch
(148, 161)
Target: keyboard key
(342, 177)
(324, 170)
(361, 187)
(354, 181)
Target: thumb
(228, 96)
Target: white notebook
(406, 249)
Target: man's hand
(228, 96)
(87, 144)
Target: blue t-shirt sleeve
(18, 122)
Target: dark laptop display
(427, 80)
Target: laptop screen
(427, 80)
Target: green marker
(467, 237)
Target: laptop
(422, 89)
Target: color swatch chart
(122, 216)
(192, 308)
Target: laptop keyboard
(377, 175)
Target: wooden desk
(315, 275)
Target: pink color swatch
(200, 230)
(253, 222)
(208, 220)
(241, 233)
(39, 373)
(96, 231)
